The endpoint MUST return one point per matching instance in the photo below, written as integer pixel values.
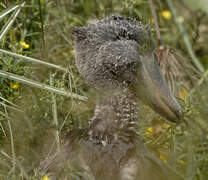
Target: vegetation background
(34, 116)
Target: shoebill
(117, 57)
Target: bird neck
(116, 112)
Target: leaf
(36, 84)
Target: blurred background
(34, 117)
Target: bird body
(116, 57)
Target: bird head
(120, 51)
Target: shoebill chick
(117, 57)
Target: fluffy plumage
(107, 52)
(109, 56)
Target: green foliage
(197, 4)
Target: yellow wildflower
(149, 131)
(164, 157)
(45, 178)
(166, 14)
(14, 85)
(24, 45)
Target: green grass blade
(187, 43)
(10, 107)
(201, 80)
(1, 113)
(3, 99)
(7, 11)
(40, 85)
(11, 20)
(33, 60)
(17, 162)
(55, 115)
(41, 21)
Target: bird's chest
(105, 160)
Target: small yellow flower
(166, 14)
(149, 131)
(14, 85)
(45, 178)
(24, 45)
(164, 157)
